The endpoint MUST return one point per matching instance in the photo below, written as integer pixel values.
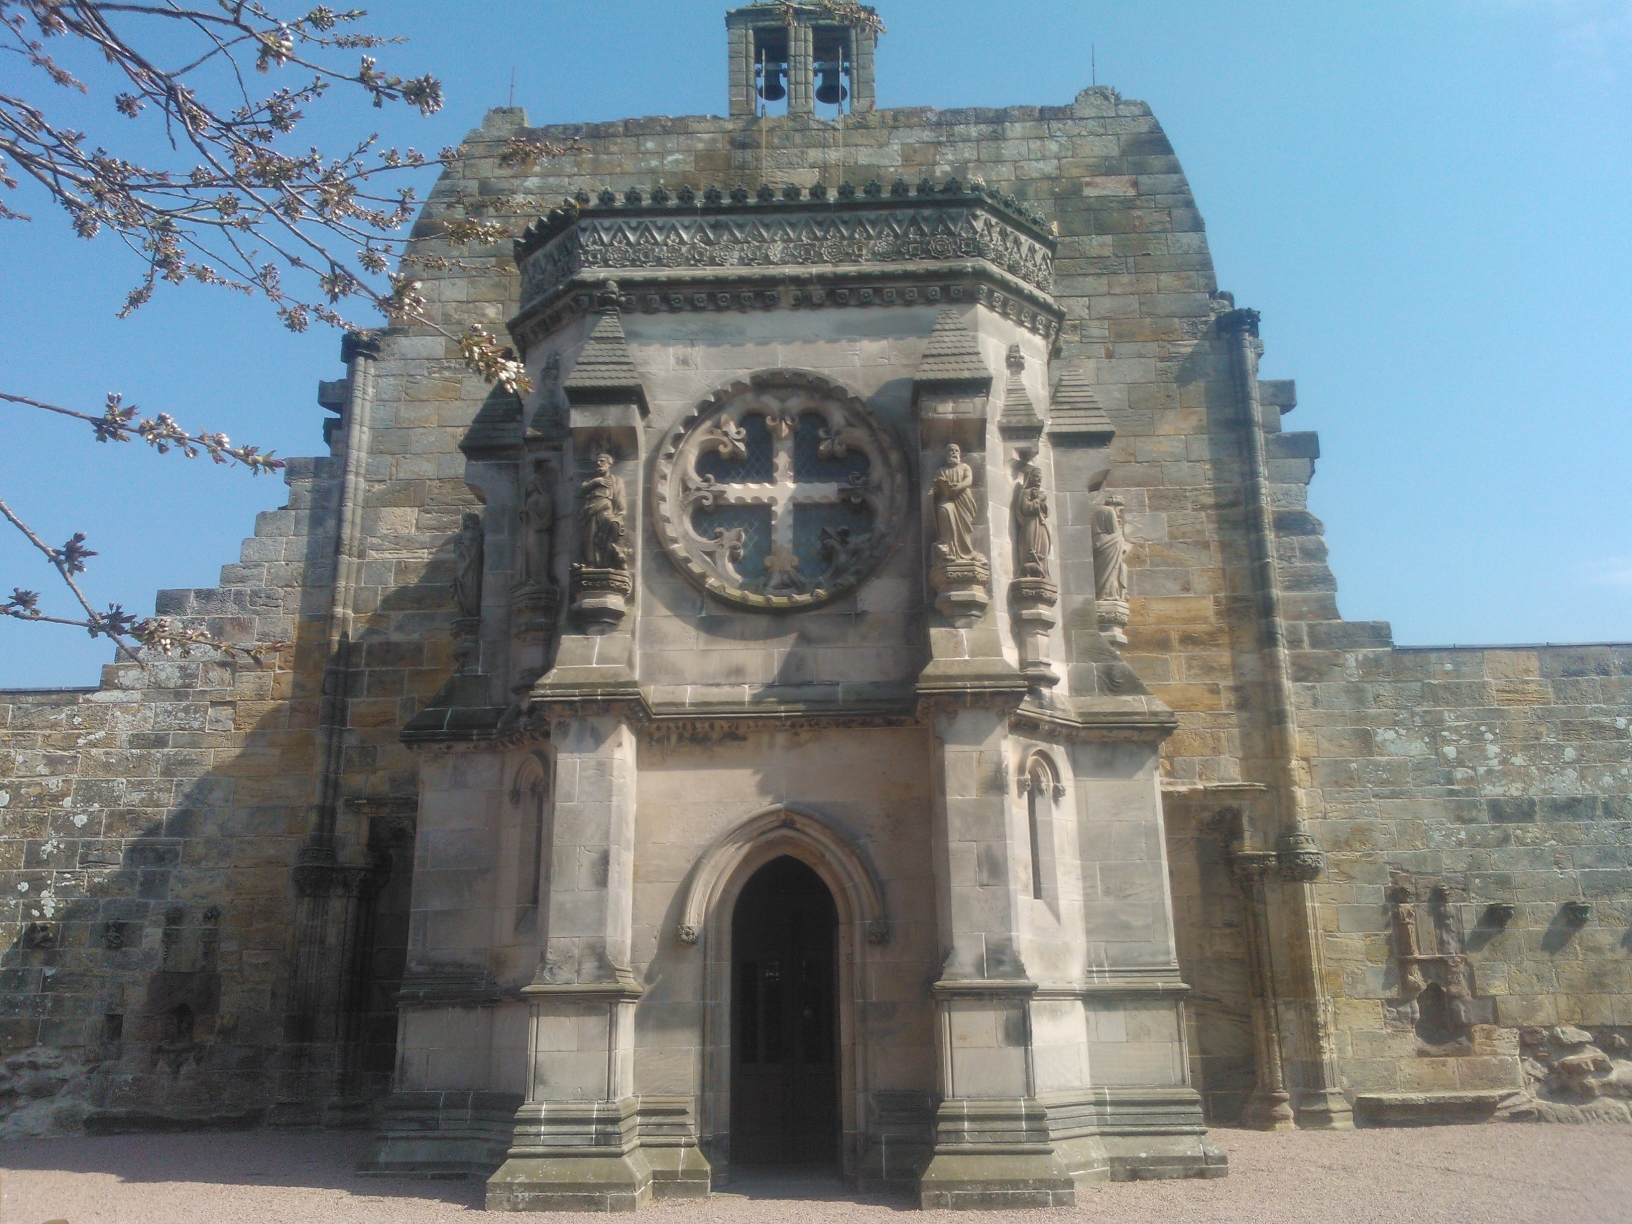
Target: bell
(830, 92)
(771, 88)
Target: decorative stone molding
(533, 608)
(1300, 857)
(1034, 591)
(1251, 866)
(600, 595)
(804, 836)
(952, 223)
(1040, 772)
(941, 245)
(742, 290)
(732, 477)
(961, 587)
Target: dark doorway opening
(784, 1019)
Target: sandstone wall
(186, 786)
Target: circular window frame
(678, 489)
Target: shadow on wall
(157, 998)
(152, 990)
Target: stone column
(740, 70)
(331, 877)
(606, 416)
(1290, 910)
(801, 70)
(863, 92)
(1270, 1105)
(992, 1146)
(576, 1144)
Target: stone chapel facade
(879, 699)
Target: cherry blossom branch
(126, 630)
(160, 432)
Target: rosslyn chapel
(877, 701)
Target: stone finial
(1076, 413)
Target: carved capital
(1300, 857)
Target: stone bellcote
(798, 57)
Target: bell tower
(799, 59)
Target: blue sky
(1428, 202)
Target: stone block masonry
(217, 890)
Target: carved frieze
(782, 492)
(748, 290)
(796, 238)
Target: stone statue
(955, 508)
(537, 542)
(601, 527)
(1032, 540)
(468, 557)
(1110, 551)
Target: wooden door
(784, 1019)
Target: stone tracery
(779, 492)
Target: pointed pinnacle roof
(496, 426)
(604, 366)
(952, 354)
(1019, 413)
(1076, 409)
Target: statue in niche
(537, 544)
(1032, 539)
(468, 558)
(601, 527)
(1110, 551)
(955, 508)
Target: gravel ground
(1450, 1175)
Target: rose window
(781, 492)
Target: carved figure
(601, 526)
(955, 508)
(1032, 539)
(537, 528)
(1110, 550)
(840, 551)
(468, 557)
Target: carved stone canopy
(779, 493)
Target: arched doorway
(784, 1019)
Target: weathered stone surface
(184, 848)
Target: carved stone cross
(782, 493)
(689, 479)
